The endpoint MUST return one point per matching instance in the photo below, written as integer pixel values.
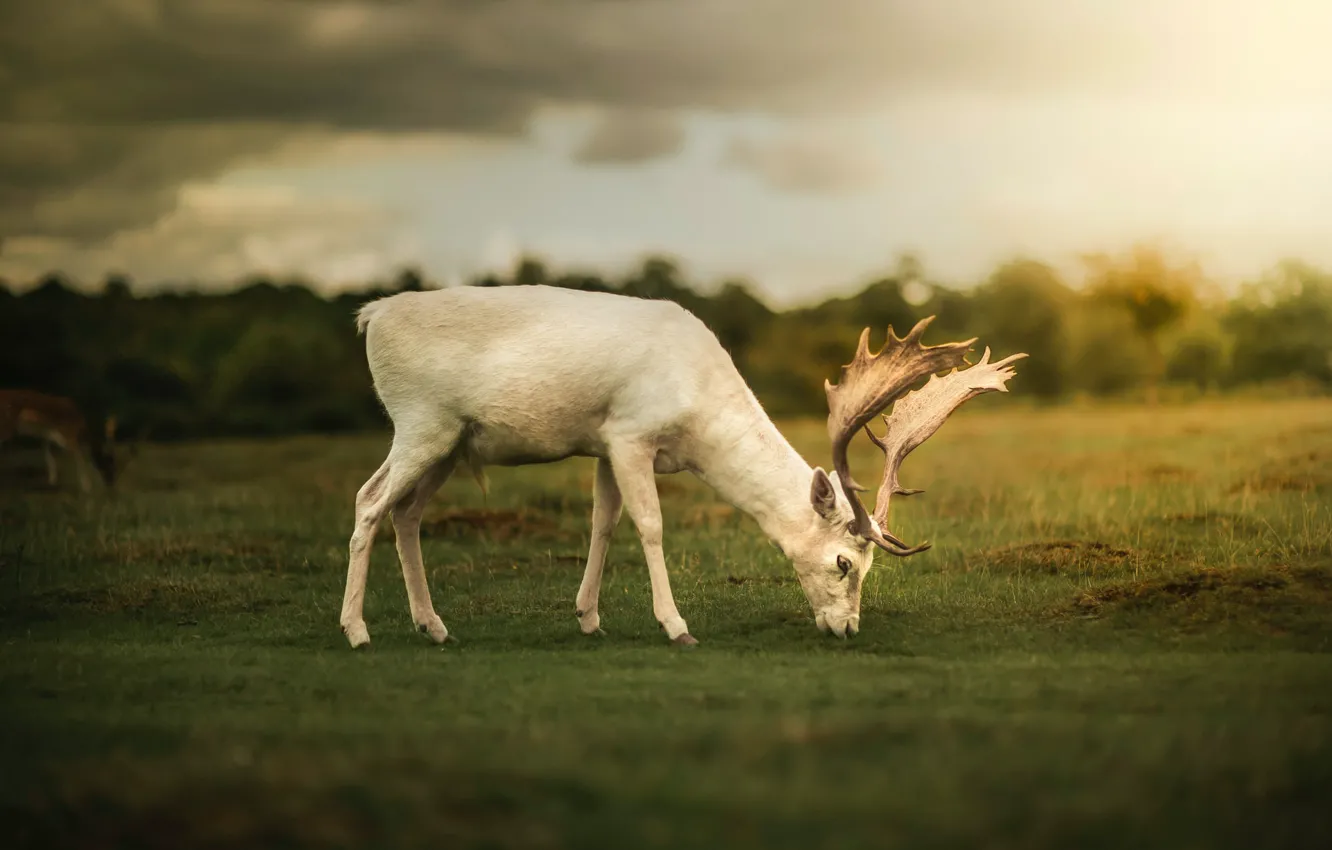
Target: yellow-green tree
(1155, 293)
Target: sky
(802, 146)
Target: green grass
(1120, 639)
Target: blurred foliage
(274, 357)
(1153, 295)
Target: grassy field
(1122, 638)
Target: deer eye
(844, 564)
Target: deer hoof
(434, 629)
(357, 634)
(589, 622)
(686, 640)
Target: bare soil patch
(1212, 589)
(1057, 557)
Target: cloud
(500, 252)
(218, 232)
(86, 183)
(412, 64)
(117, 103)
(807, 164)
(622, 137)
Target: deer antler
(920, 413)
(870, 383)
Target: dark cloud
(397, 64)
(628, 137)
(108, 106)
(87, 182)
(73, 68)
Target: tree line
(274, 357)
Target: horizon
(800, 150)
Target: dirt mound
(1056, 556)
(1211, 587)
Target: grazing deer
(58, 423)
(535, 374)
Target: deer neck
(751, 465)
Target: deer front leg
(632, 467)
(606, 509)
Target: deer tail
(366, 313)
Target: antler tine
(873, 439)
(869, 383)
(883, 446)
(920, 413)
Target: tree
(116, 287)
(530, 272)
(1155, 294)
(409, 280)
(1024, 306)
(659, 277)
(736, 317)
(1282, 326)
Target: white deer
(533, 374)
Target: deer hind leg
(407, 529)
(606, 509)
(408, 460)
(632, 466)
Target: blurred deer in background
(535, 374)
(59, 423)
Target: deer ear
(823, 495)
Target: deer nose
(852, 626)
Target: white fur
(516, 375)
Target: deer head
(108, 457)
(839, 550)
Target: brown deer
(58, 422)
